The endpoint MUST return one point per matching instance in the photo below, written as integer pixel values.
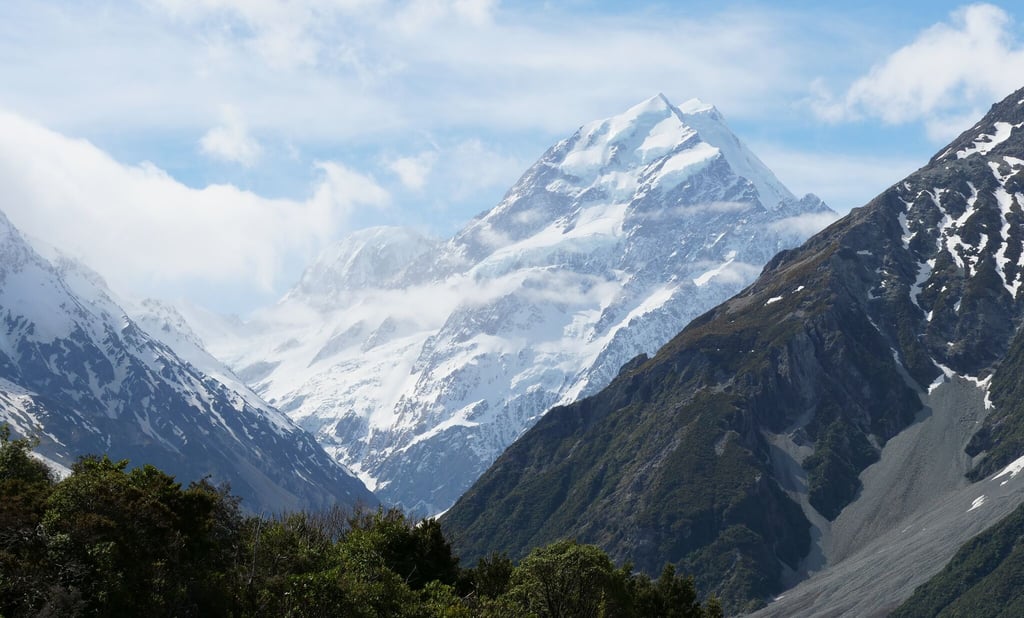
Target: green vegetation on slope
(108, 541)
(833, 469)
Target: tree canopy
(110, 540)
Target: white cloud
(736, 273)
(140, 227)
(231, 140)
(344, 190)
(950, 72)
(413, 171)
(804, 225)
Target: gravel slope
(914, 512)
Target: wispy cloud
(946, 76)
(457, 169)
(337, 69)
(803, 225)
(474, 165)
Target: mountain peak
(659, 103)
(651, 160)
(370, 257)
(991, 134)
(655, 117)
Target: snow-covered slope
(417, 362)
(86, 378)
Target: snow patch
(924, 271)
(999, 176)
(1005, 201)
(949, 238)
(773, 299)
(984, 143)
(907, 236)
(977, 502)
(1012, 470)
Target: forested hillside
(113, 541)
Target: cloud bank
(140, 227)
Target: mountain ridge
(79, 373)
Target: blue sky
(207, 149)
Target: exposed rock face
(731, 450)
(77, 371)
(417, 367)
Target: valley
(648, 378)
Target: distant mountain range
(848, 420)
(85, 378)
(416, 362)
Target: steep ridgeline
(417, 363)
(737, 451)
(87, 379)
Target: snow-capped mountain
(86, 378)
(849, 419)
(417, 362)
